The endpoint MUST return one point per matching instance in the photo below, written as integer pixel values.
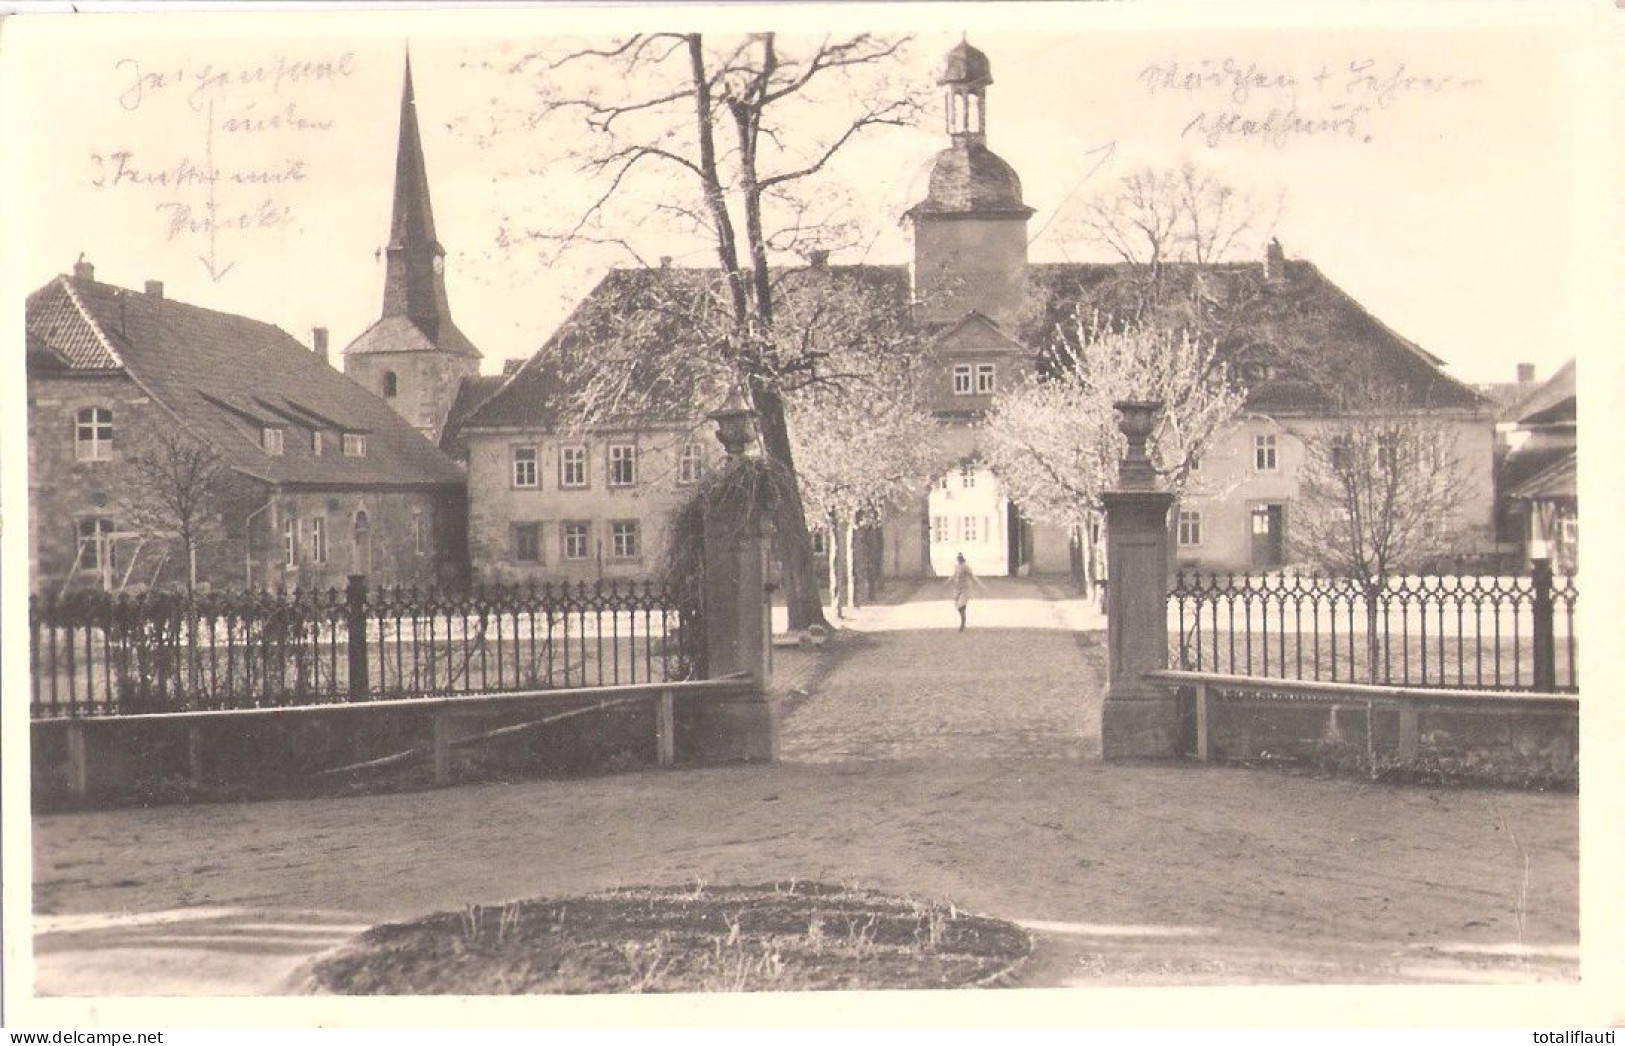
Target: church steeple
(414, 282)
(966, 74)
(414, 357)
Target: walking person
(961, 582)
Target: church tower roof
(967, 178)
(416, 314)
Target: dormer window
(271, 440)
(316, 442)
(392, 385)
(355, 445)
(93, 434)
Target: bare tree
(745, 125)
(1378, 490)
(177, 490)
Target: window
(577, 540)
(984, 378)
(939, 529)
(623, 464)
(527, 542)
(967, 477)
(316, 442)
(524, 467)
(290, 542)
(271, 440)
(943, 482)
(420, 532)
(623, 539)
(93, 434)
(318, 540)
(820, 543)
(572, 467)
(1261, 520)
(355, 445)
(1264, 459)
(1190, 528)
(96, 545)
(690, 464)
(967, 528)
(962, 379)
(392, 385)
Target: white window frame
(984, 379)
(318, 539)
(354, 444)
(521, 477)
(573, 458)
(622, 454)
(967, 529)
(575, 528)
(690, 464)
(316, 442)
(1190, 528)
(1266, 453)
(939, 530)
(617, 529)
(93, 436)
(967, 477)
(964, 379)
(420, 531)
(272, 440)
(290, 542)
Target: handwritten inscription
(1235, 101)
(255, 128)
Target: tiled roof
(1553, 402)
(1306, 330)
(470, 395)
(225, 377)
(397, 333)
(1557, 480)
(968, 178)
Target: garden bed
(783, 936)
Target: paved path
(901, 682)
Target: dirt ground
(1125, 874)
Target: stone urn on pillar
(738, 626)
(1139, 718)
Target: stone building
(414, 357)
(137, 404)
(1538, 473)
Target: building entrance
(970, 515)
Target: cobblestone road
(902, 682)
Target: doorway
(1268, 535)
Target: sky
(1432, 174)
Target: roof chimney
(819, 259)
(665, 261)
(511, 367)
(1526, 373)
(83, 270)
(318, 342)
(1274, 260)
(155, 288)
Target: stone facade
(549, 530)
(392, 537)
(420, 386)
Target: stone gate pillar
(1139, 719)
(738, 623)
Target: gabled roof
(1304, 331)
(224, 377)
(1309, 333)
(977, 332)
(652, 311)
(1553, 403)
(1558, 480)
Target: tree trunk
(795, 546)
(850, 585)
(833, 570)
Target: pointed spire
(413, 285)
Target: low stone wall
(1536, 745)
(154, 760)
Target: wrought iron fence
(94, 654)
(1459, 631)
